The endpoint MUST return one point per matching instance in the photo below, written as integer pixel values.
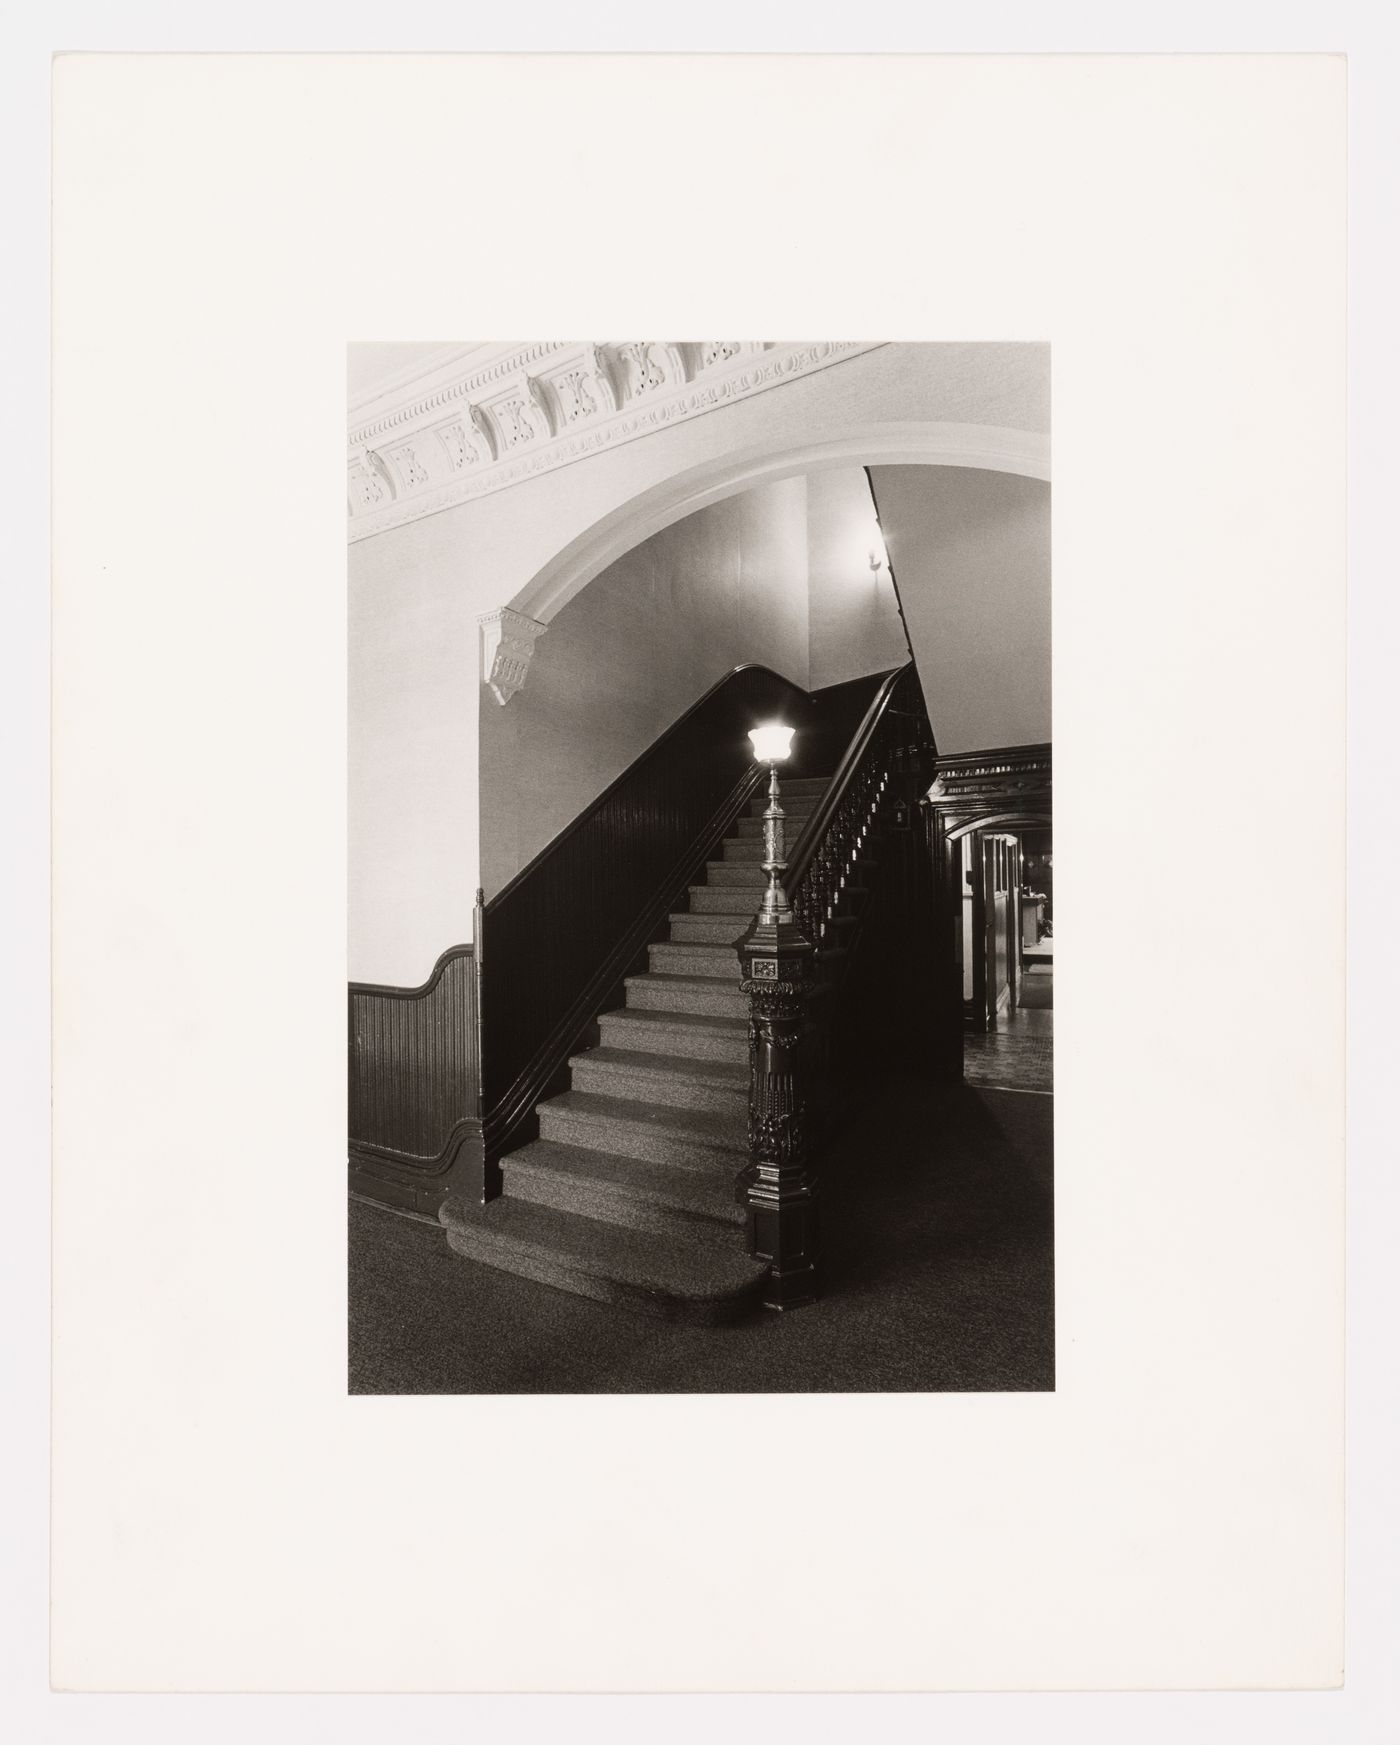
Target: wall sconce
(772, 744)
(879, 557)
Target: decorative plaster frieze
(650, 368)
(507, 645)
(408, 469)
(720, 351)
(476, 427)
(582, 385)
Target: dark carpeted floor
(938, 1232)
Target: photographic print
(555, 1012)
(701, 868)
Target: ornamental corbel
(481, 425)
(371, 483)
(602, 374)
(507, 645)
(537, 399)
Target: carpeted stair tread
(624, 1190)
(699, 1127)
(796, 792)
(751, 825)
(670, 978)
(718, 929)
(638, 1269)
(686, 1035)
(661, 1078)
(701, 995)
(695, 957)
(727, 900)
(700, 1022)
(745, 875)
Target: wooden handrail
(826, 808)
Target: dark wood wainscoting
(415, 1122)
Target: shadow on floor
(938, 1229)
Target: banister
(868, 803)
(800, 857)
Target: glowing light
(772, 742)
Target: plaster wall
(631, 653)
(854, 618)
(971, 551)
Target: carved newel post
(778, 1185)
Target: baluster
(778, 1186)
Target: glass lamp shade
(772, 742)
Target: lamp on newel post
(775, 959)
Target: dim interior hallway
(1020, 1054)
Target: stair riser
(731, 1046)
(724, 1224)
(670, 1092)
(474, 1244)
(743, 851)
(720, 962)
(792, 798)
(719, 1001)
(708, 929)
(735, 875)
(623, 1139)
(751, 828)
(725, 899)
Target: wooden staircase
(628, 1194)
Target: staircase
(628, 1194)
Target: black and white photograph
(701, 867)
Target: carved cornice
(473, 426)
(976, 780)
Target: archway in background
(990, 448)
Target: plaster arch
(990, 448)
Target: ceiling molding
(488, 417)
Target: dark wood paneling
(414, 1120)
